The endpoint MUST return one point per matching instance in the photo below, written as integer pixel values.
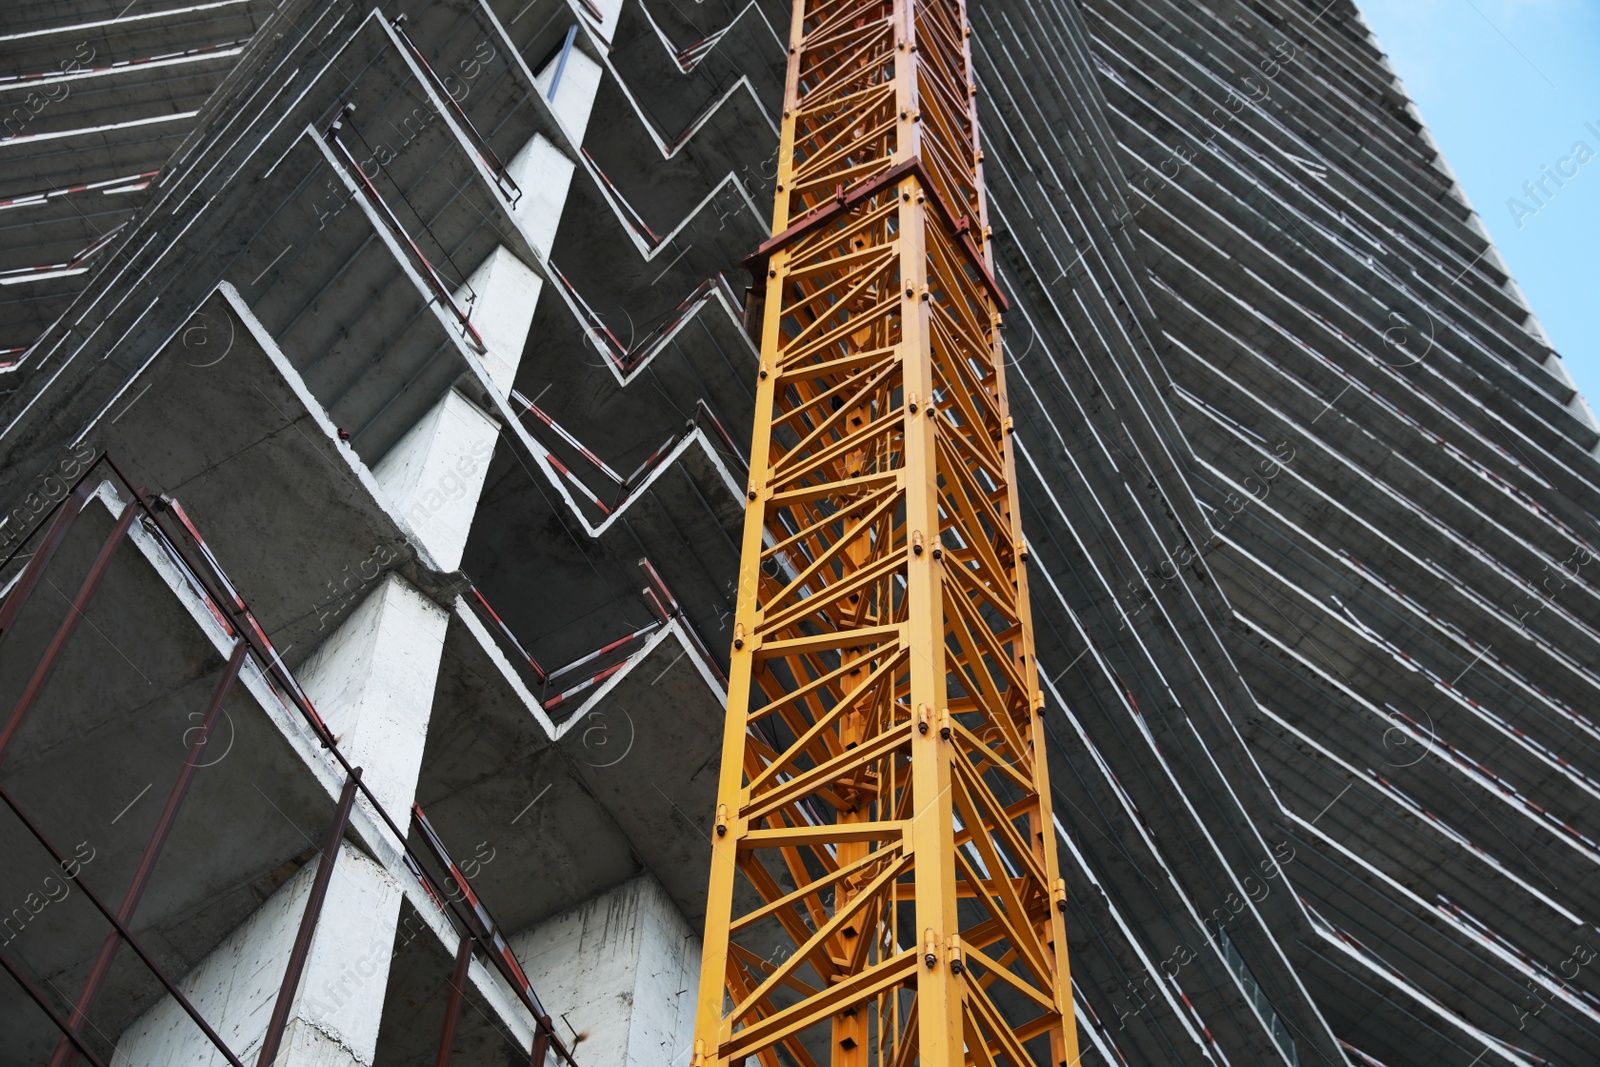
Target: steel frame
(884, 884)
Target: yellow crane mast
(884, 887)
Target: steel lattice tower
(884, 876)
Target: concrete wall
(622, 969)
(334, 1022)
(373, 683)
(434, 474)
(503, 290)
(544, 175)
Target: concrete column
(504, 290)
(433, 475)
(544, 175)
(372, 681)
(623, 968)
(334, 1022)
(580, 80)
(609, 10)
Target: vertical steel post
(452, 1011)
(541, 1041)
(34, 569)
(47, 662)
(71, 870)
(308, 923)
(38, 997)
(64, 1055)
(884, 756)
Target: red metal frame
(634, 219)
(486, 152)
(59, 525)
(370, 191)
(662, 603)
(626, 359)
(202, 571)
(47, 662)
(452, 1011)
(308, 922)
(626, 486)
(38, 997)
(64, 1055)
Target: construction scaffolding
(883, 887)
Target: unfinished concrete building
(375, 402)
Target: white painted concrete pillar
(433, 475)
(580, 81)
(544, 175)
(334, 1021)
(505, 292)
(373, 682)
(623, 968)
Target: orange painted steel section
(884, 886)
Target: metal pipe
(64, 1055)
(47, 662)
(477, 919)
(603, 650)
(38, 998)
(452, 1011)
(121, 928)
(486, 151)
(541, 1041)
(308, 922)
(42, 556)
(441, 291)
(561, 62)
(506, 631)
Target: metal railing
(605, 661)
(176, 535)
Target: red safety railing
(177, 536)
(486, 153)
(128, 182)
(79, 258)
(703, 418)
(627, 358)
(631, 216)
(604, 661)
(435, 280)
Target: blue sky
(1507, 87)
